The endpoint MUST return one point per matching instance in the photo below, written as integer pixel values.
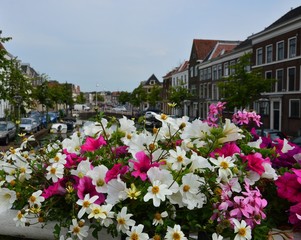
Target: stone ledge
(8, 228)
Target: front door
(276, 121)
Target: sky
(113, 45)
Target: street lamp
(263, 106)
(97, 85)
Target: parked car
(50, 117)
(28, 125)
(8, 131)
(119, 109)
(151, 121)
(297, 141)
(38, 117)
(272, 134)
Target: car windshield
(25, 121)
(2, 127)
(276, 135)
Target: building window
(292, 79)
(214, 72)
(205, 91)
(259, 56)
(294, 108)
(214, 92)
(226, 69)
(280, 50)
(269, 53)
(280, 80)
(205, 74)
(232, 69)
(209, 73)
(292, 47)
(268, 75)
(201, 90)
(201, 74)
(193, 90)
(191, 72)
(219, 71)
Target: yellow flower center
(121, 221)
(100, 182)
(151, 147)
(56, 159)
(186, 188)
(242, 232)
(180, 159)
(176, 236)
(155, 189)
(22, 169)
(157, 237)
(96, 211)
(20, 215)
(32, 199)
(158, 216)
(224, 165)
(163, 116)
(76, 230)
(129, 136)
(134, 236)
(86, 204)
(53, 170)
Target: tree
(243, 87)
(124, 97)
(154, 96)
(81, 98)
(178, 94)
(138, 96)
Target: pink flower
(255, 162)
(85, 186)
(120, 151)
(55, 189)
(142, 165)
(293, 218)
(72, 159)
(227, 150)
(288, 187)
(93, 144)
(117, 169)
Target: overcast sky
(116, 44)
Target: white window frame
(267, 59)
(259, 57)
(289, 54)
(277, 50)
(290, 107)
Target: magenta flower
(288, 187)
(255, 161)
(142, 165)
(294, 210)
(85, 186)
(55, 189)
(120, 151)
(72, 159)
(93, 144)
(227, 150)
(117, 169)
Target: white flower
(124, 221)
(72, 144)
(175, 233)
(158, 218)
(231, 132)
(20, 219)
(98, 175)
(196, 130)
(286, 146)
(224, 164)
(178, 159)
(55, 171)
(93, 129)
(82, 169)
(117, 191)
(79, 229)
(96, 212)
(85, 203)
(7, 198)
(106, 209)
(36, 198)
(198, 163)
(136, 233)
(126, 125)
(157, 192)
(243, 231)
(24, 169)
(255, 144)
(190, 190)
(26, 140)
(217, 237)
(59, 158)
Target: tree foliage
(178, 94)
(154, 96)
(243, 87)
(138, 96)
(124, 97)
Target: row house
(148, 85)
(207, 64)
(277, 51)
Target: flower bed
(213, 178)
